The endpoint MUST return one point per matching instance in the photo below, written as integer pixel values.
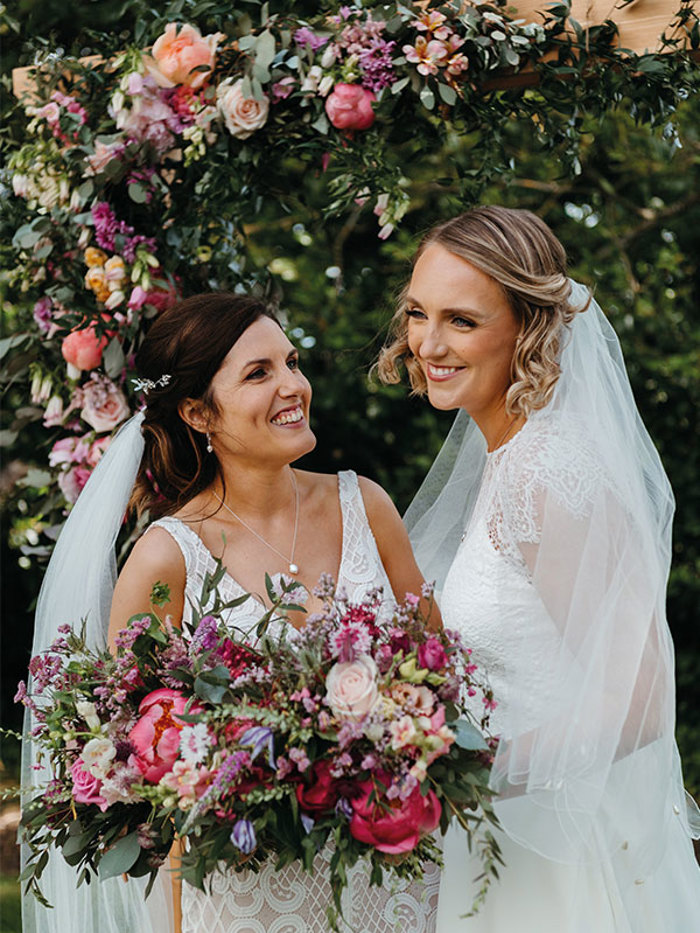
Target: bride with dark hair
(546, 520)
(210, 459)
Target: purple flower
(376, 64)
(260, 738)
(42, 314)
(206, 636)
(307, 822)
(344, 808)
(243, 836)
(306, 36)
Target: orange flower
(95, 257)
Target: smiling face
(263, 398)
(462, 332)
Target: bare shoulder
(157, 550)
(378, 503)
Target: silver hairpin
(145, 385)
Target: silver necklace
(291, 566)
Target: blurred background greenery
(630, 221)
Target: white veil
(599, 776)
(78, 584)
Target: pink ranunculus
(431, 655)
(86, 787)
(242, 115)
(156, 736)
(104, 405)
(393, 826)
(351, 687)
(177, 52)
(83, 348)
(349, 107)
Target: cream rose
(242, 115)
(104, 406)
(351, 687)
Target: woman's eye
(462, 322)
(293, 362)
(414, 313)
(255, 374)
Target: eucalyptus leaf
(120, 857)
(468, 736)
(113, 358)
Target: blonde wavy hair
(519, 251)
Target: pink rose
(72, 482)
(156, 736)
(349, 107)
(242, 115)
(431, 655)
(393, 826)
(97, 449)
(83, 348)
(176, 54)
(86, 787)
(68, 450)
(351, 687)
(104, 405)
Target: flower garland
(138, 175)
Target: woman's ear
(194, 414)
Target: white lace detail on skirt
(291, 900)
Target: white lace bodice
(292, 901)
(488, 594)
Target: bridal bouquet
(268, 744)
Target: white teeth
(289, 417)
(442, 370)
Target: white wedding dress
(291, 900)
(490, 599)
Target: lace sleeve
(564, 524)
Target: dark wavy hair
(188, 343)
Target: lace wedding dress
(489, 597)
(291, 900)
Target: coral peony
(177, 53)
(393, 826)
(349, 107)
(156, 736)
(83, 348)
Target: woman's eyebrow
(465, 310)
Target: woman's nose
(432, 345)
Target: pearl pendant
(293, 569)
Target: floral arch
(143, 174)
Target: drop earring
(209, 447)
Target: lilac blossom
(307, 37)
(376, 64)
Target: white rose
(242, 115)
(97, 756)
(351, 687)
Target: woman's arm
(155, 558)
(394, 547)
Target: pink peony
(323, 791)
(83, 348)
(242, 115)
(104, 405)
(349, 107)
(156, 736)
(97, 449)
(393, 826)
(431, 655)
(351, 687)
(86, 787)
(72, 482)
(177, 53)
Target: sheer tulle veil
(78, 585)
(600, 776)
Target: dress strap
(192, 547)
(361, 567)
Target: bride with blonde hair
(546, 520)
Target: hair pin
(145, 385)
